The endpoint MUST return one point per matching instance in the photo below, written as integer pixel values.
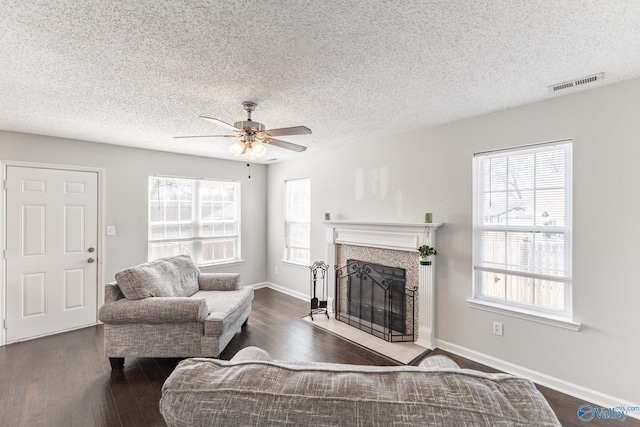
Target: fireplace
(392, 245)
(377, 300)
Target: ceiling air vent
(581, 81)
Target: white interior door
(51, 268)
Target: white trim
(534, 316)
(221, 264)
(424, 338)
(347, 222)
(426, 307)
(3, 261)
(563, 279)
(282, 290)
(401, 236)
(534, 146)
(566, 387)
(100, 245)
(102, 236)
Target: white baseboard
(577, 391)
(287, 291)
(282, 289)
(425, 338)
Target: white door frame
(3, 240)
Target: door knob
(90, 260)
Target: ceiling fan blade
(206, 136)
(221, 123)
(284, 144)
(295, 130)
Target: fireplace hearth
(376, 300)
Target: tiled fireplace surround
(390, 244)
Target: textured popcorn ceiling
(139, 72)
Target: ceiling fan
(253, 136)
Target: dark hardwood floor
(64, 380)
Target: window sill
(518, 313)
(221, 264)
(295, 264)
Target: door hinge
(5, 323)
(4, 184)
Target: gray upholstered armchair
(168, 308)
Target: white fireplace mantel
(400, 236)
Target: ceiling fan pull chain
(249, 166)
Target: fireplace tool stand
(318, 305)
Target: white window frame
(197, 223)
(558, 317)
(291, 248)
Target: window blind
(195, 217)
(522, 226)
(298, 221)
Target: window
(522, 228)
(298, 218)
(195, 217)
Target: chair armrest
(219, 281)
(112, 292)
(153, 310)
(438, 361)
(251, 353)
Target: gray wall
(125, 198)
(430, 171)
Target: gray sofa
(168, 308)
(252, 389)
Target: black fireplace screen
(374, 299)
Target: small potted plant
(425, 252)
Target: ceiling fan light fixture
(237, 148)
(251, 154)
(258, 148)
(253, 136)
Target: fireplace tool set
(318, 272)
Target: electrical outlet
(276, 271)
(497, 328)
